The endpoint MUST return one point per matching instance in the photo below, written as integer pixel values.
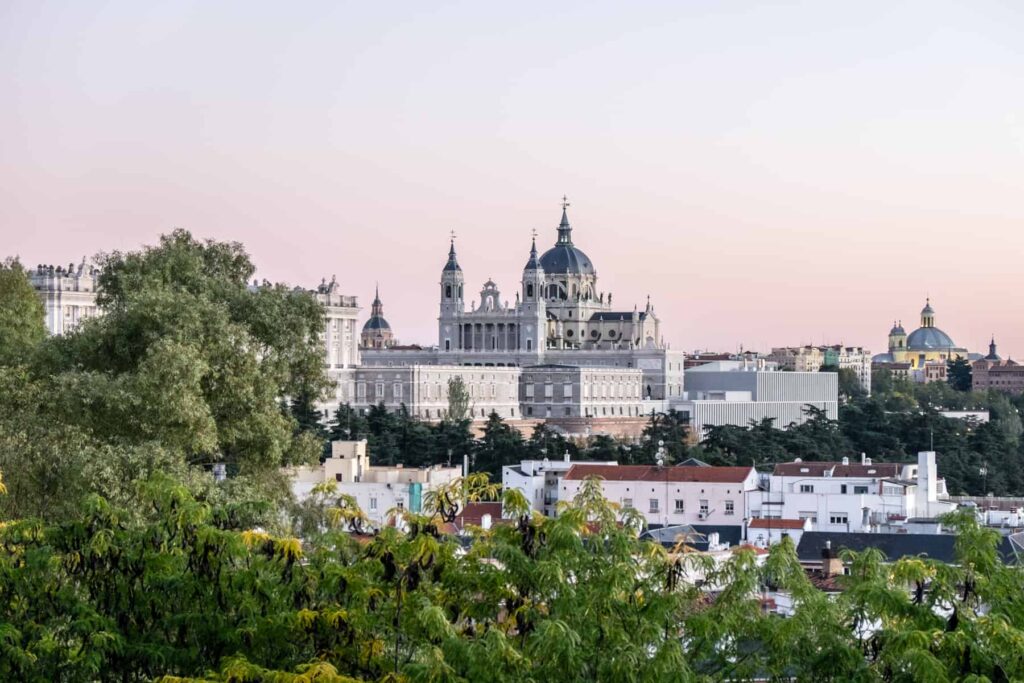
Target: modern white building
(377, 490)
(68, 294)
(539, 480)
(669, 496)
(853, 497)
(737, 392)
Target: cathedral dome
(925, 338)
(564, 257)
(376, 322)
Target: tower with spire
(534, 309)
(452, 303)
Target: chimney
(863, 458)
(846, 461)
(485, 521)
(831, 565)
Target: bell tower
(532, 328)
(452, 303)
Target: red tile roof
(761, 523)
(474, 513)
(818, 469)
(710, 475)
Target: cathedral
(558, 307)
(923, 353)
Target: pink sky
(795, 174)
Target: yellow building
(927, 346)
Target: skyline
(769, 176)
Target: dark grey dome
(376, 322)
(565, 258)
(924, 338)
(883, 358)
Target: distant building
(377, 332)
(669, 496)
(927, 349)
(68, 294)
(560, 330)
(851, 497)
(341, 342)
(377, 490)
(992, 372)
(813, 358)
(736, 392)
(423, 389)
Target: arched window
(529, 290)
(448, 291)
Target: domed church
(557, 307)
(377, 332)
(926, 344)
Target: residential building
(766, 531)
(671, 495)
(852, 497)
(341, 343)
(377, 490)
(813, 358)
(539, 480)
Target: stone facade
(68, 294)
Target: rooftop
(711, 475)
(837, 469)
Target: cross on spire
(565, 202)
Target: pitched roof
(710, 475)
(837, 469)
(761, 523)
(895, 546)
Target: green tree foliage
(187, 366)
(459, 405)
(186, 592)
(22, 326)
(958, 373)
(500, 445)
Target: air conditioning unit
(702, 515)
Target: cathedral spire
(453, 263)
(564, 229)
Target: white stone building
(547, 391)
(669, 496)
(423, 389)
(539, 480)
(853, 497)
(377, 490)
(68, 294)
(341, 341)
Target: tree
(22, 326)
(459, 406)
(500, 445)
(958, 373)
(187, 354)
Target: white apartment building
(671, 495)
(68, 294)
(377, 490)
(853, 497)
(539, 480)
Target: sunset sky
(770, 173)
